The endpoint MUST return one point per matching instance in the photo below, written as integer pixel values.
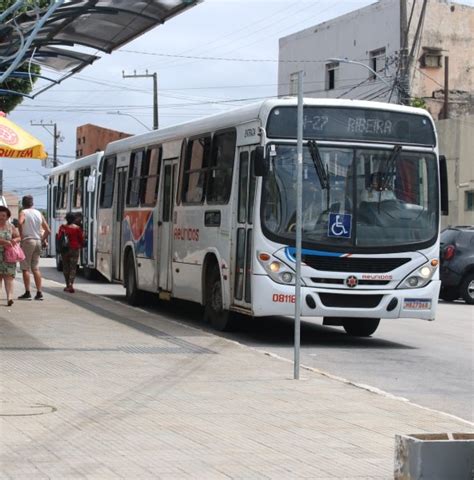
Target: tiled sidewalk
(91, 388)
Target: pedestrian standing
(70, 256)
(9, 236)
(34, 231)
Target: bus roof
(89, 160)
(244, 114)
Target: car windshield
(365, 198)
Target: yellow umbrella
(16, 143)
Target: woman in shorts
(9, 236)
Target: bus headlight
(277, 270)
(420, 277)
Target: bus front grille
(350, 301)
(353, 264)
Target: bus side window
(54, 199)
(135, 179)
(79, 186)
(61, 198)
(195, 167)
(151, 175)
(221, 168)
(107, 182)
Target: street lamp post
(346, 60)
(118, 112)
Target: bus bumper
(317, 302)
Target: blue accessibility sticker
(340, 225)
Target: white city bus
(205, 211)
(72, 188)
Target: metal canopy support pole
(299, 210)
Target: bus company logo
(8, 136)
(352, 281)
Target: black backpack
(63, 242)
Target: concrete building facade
(406, 42)
(456, 142)
(92, 138)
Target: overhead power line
(223, 59)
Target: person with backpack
(70, 240)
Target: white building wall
(353, 36)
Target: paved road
(430, 363)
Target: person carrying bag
(70, 240)
(9, 252)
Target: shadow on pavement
(264, 331)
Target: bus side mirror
(443, 180)
(258, 159)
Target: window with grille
(377, 61)
(431, 58)
(331, 74)
(469, 200)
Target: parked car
(457, 264)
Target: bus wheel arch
(130, 283)
(214, 311)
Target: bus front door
(121, 187)
(88, 208)
(165, 224)
(242, 294)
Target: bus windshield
(369, 197)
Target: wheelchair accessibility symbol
(340, 225)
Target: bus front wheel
(214, 312)
(361, 327)
(131, 290)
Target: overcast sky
(188, 87)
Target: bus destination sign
(352, 124)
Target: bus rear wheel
(361, 327)
(89, 273)
(214, 312)
(132, 293)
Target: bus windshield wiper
(390, 167)
(318, 164)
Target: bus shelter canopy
(16, 143)
(103, 25)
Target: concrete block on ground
(437, 456)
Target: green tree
(418, 102)
(21, 85)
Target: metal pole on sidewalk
(299, 209)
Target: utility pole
(56, 137)
(155, 92)
(446, 87)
